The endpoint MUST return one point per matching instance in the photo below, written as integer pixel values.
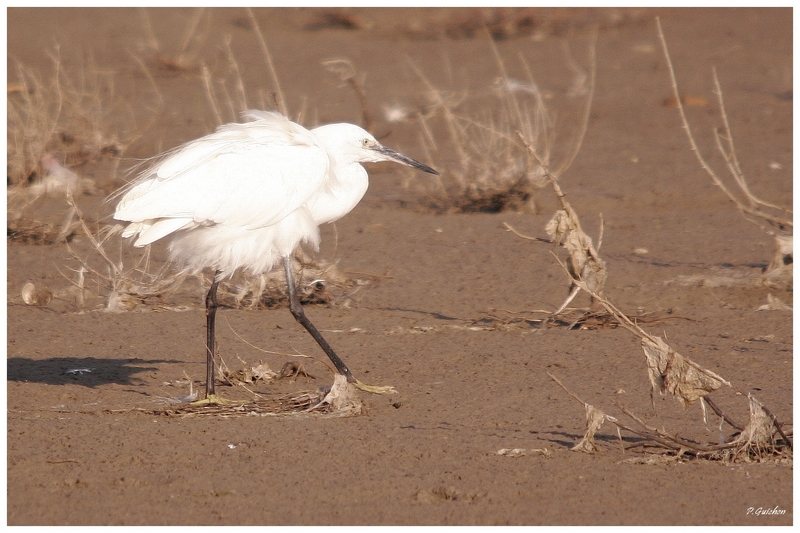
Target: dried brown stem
(268, 58)
(778, 426)
(518, 234)
(730, 155)
(714, 407)
(558, 381)
(674, 441)
(647, 435)
(346, 71)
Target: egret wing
(152, 230)
(247, 175)
(266, 128)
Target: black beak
(400, 158)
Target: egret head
(348, 143)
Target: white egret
(246, 196)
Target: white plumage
(248, 194)
(243, 195)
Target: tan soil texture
(448, 315)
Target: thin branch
(346, 71)
(575, 396)
(589, 98)
(600, 236)
(281, 101)
(210, 92)
(736, 169)
(647, 435)
(91, 237)
(777, 425)
(714, 407)
(673, 439)
(710, 171)
(250, 344)
(518, 234)
(573, 292)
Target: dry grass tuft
(494, 170)
(105, 283)
(24, 230)
(319, 282)
(56, 125)
(337, 400)
(773, 219)
(668, 371)
(501, 24)
(74, 119)
(346, 71)
(185, 59)
(757, 439)
(120, 288)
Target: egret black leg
(211, 314)
(299, 314)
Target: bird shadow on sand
(86, 371)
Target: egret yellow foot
(213, 399)
(374, 389)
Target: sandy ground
(449, 313)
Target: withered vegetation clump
(763, 437)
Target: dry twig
(772, 219)
(346, 70)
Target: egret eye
(365, 143)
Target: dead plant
(757, 441)
(346, 71)
(773, 219)
(103, 280)
(319, 282)
(494, 171)
(121, 288)
(668, 371)
(673, 373)
(55, 126)
(337, 400)
(74, 119)
(185, 59)
(583, 260)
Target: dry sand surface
(449, 305)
